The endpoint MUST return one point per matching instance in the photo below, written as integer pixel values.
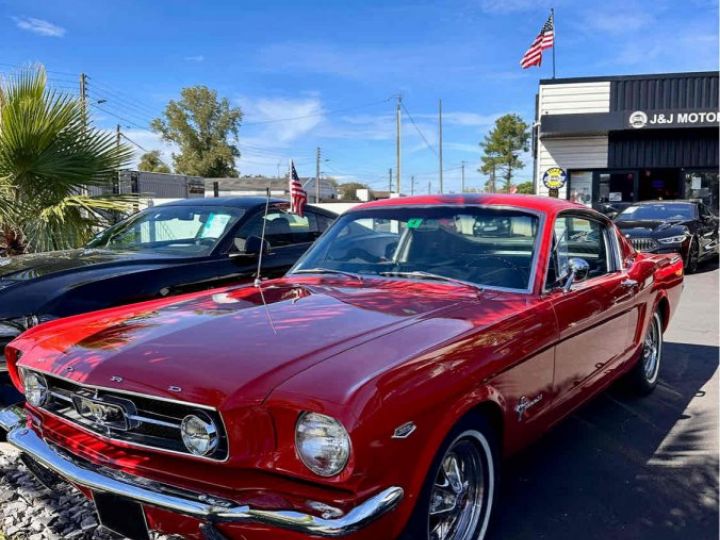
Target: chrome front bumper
(198, 505)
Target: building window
(702, 185)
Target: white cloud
(287, 118)
(39, 26)
(195, 58)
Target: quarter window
(581, 238)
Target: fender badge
(117, 379)
(174, 388)
(524, 404)
(404, 431)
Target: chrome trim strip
(146, 420)
(186, 502)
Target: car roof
(531, 202)
(237, 202)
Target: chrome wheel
(462, 491)
(652, 349)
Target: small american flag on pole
(298, 196)
(544, 40)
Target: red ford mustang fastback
(371, 393)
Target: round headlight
(322, 444)
(36, 388)
(199, 434)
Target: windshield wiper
(328, 271)
(429, 275)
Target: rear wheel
(459, 492)
(644, 376)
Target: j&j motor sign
(672, 119)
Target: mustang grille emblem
(524, 404)
(103, 414)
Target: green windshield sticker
(414, 223)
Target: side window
(283, 228)
(581, 238)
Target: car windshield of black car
(658, 212)
(177, 230)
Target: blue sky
(338, 64)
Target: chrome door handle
(628, 283)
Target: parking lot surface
(621, 467)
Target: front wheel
(644, 375)
(459, 492)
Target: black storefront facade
(625, 139)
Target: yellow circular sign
(554, 178)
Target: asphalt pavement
(625, 467)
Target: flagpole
(552, 13)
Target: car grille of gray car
(147, 422)
(644, 244)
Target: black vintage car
(689, 228)
(172, 248)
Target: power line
(133, 142)
(95, 106)
(412, 120)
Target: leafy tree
(151, 162)
(348, 191)
(49, 158)
(502, 148)
(526, 188)
(206, 131)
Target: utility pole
(317, 175)
(390, 180)
(412, 185)
(429, 187)
(83, 99)
(118, 135)
(462, 177)
(398, 156)
(440, 142)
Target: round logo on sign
(638, 119)
(554, 178)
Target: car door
(597, 318)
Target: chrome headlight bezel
(677, 239)
(322, 444)
(199, 434)
(35, 387)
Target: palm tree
(49, 157)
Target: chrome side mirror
(578, 271)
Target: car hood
(643, 228)
(235, 343)
(28, 267)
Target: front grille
(644, 244)
(145, 421)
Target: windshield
(171, 230)
(482, 246)
(657, 212)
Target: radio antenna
(258, 277)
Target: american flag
(298, 196)
(544, 40)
